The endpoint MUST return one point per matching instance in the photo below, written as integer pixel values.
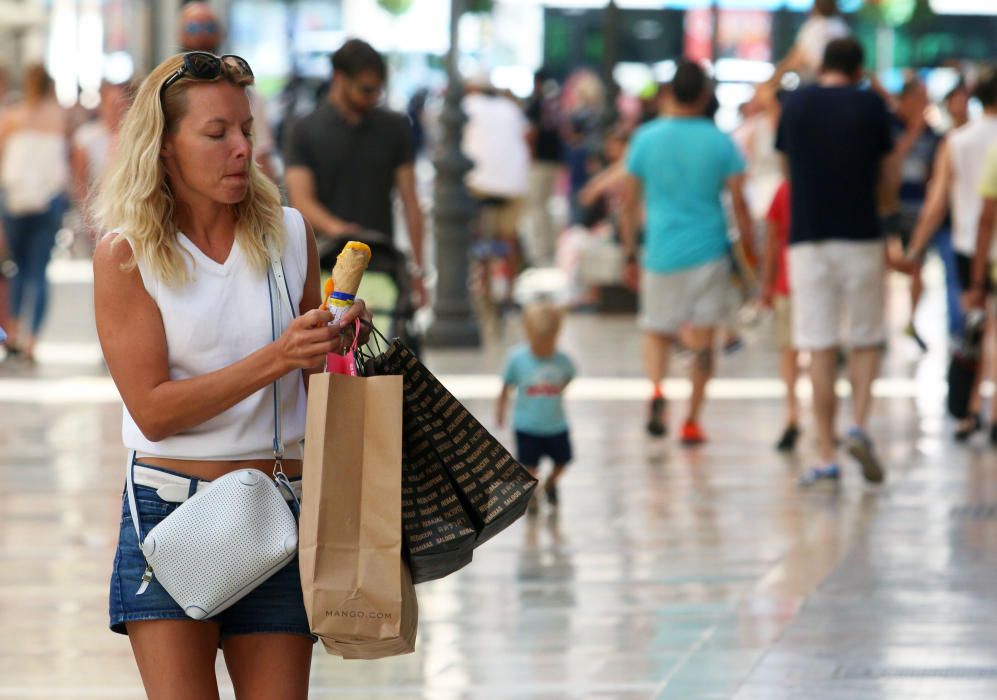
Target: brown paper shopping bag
(350, 527)
(403, 644)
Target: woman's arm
(133, 340)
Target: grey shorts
(698, 296)
(838, 293)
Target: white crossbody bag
(227, 539)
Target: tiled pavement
(668, 573)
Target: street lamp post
(454, 323)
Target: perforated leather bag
(206, 568)
(227, 539)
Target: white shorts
(698, 296)
(838, 294)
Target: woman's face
(208, 156)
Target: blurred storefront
(293, 40)
(288, 41)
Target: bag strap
(277, 271)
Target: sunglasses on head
(201, 65)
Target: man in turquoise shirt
(678, 167)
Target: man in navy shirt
(836, 140)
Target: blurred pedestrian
(903, 197)
(986, 224)
(775, 295)
(959, 167)
(823, 26)
(836, 138)
(34, 176)
(345, 160)
(679, 167)
(585, 111)
(544, 115)
(93, 145)
(416, 110)
(539, 373)
(956, 104)
(578, 159)
(602, 196)
(200, 29)
(182, 290)
(756, 138)
(495, 140)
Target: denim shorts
(276, 606)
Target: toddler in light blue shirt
(539, 373)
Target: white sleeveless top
(968, 148)
(216, 319)
(34, 170)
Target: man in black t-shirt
(544, 115)
(837, 142)
(345, 160)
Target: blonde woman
(181, 290)
(34, 176)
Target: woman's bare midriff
(209, 471)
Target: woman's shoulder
(296, 234)
(113, 257)
(291, 214)
(113, 247)
(295, 226)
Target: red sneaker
(692, 434)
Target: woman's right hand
(307, 341)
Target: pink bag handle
(344, 363)
(356, 335)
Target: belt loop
(192, 489)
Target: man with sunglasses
(345, 160)
(199, 29)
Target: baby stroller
(385, 287)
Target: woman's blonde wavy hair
(135, 198)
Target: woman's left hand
(348, 323)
